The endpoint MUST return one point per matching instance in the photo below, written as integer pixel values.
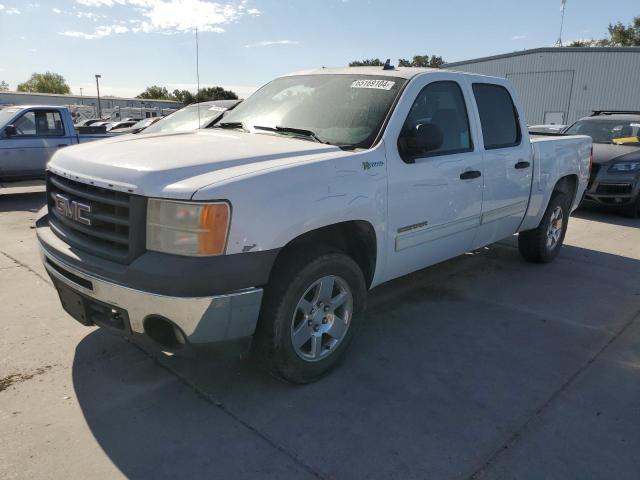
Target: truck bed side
(553, 159)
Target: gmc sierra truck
(318, 187)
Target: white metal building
(560, 85)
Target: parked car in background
(138, 126)
(615, 174)
(192, 117)
(121, 124)
(546, 129)
(30, 135)
(277, 220)
(88, 122)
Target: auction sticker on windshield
(377, 84)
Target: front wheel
(633, 210)
(308, 312)
(543, 244)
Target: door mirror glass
(10, 130)
(425, 138)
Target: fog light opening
(163, 332)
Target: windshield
(344, 110)
(7, 114)
(605, 131)
(186, 119)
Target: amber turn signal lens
(214, 225)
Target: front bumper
(614, 189)
(200, 319)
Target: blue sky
(245, 43)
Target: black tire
(293, 275)
(533, 245)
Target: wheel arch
(356, 238)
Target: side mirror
(425, 138)
(10, 130)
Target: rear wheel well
(567, 185)
(355, 238)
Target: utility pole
(81, 98)
(98, 88)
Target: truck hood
(176, 165)
(605, 153)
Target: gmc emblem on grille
(71, 209)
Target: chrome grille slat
(79, 192)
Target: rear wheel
(309, 308)
(543, 244)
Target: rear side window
(500, 126)
(49, 123)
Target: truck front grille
(111, 224)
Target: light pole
(98, 88)
(81, 98)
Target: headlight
(624, 167)
(186, 228)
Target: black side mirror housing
(10, 130)
(426, 138)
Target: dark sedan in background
(615, 174)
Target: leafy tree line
(157, 92)
(47, 82)
(619, 36)
(433, 61)
(4, 86)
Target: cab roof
(398, 72)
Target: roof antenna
(388, 66)
(198, 77)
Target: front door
(39, 134)
(435, 188)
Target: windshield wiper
(231, 125)
(301, 132)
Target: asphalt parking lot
(482, 367)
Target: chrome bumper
(201, 319)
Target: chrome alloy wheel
(556, 224)
(321, 318)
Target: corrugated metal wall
(572, 81)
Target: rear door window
(498, 116)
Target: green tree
(369, 62)
(4, 86)
(155, 92)
(422, 61)
(215, 93)
(619, 36)
(45, 83)
(184, 96)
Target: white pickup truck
(320, 186)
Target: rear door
(435, 196)
(507, 159)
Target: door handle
(522, 164)
(62, 145)
(470, 174)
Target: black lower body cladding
(165, 274)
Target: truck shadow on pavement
(606, 215)
(450, 364)
(22, 202)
